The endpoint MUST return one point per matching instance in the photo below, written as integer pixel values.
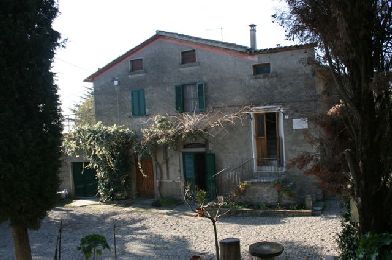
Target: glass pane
(188, 57)
(262, 68)
(191, 100)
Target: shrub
(375, 246)
(93, 245)
(348, 239)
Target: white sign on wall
(300, 123)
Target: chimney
(253, 37)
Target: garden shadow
(252, 220)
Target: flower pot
(200, 212)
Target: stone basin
(265, 250)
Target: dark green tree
(355, 38)
(30, 119)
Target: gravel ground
(145, 233)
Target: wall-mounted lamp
(116, 82)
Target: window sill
(189, 65)
(137, 73)
(264, 76)
(138, 116)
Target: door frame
(263, 110)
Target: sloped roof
(219, 44)
(197, 40)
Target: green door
(189, 169)
(85, 181)
(199, 170)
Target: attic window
(262, 68)
(135, 65)
(188, 57)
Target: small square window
(135, 65)
(262, 68)
(188, 57)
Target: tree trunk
(216, 239)
(21, 241)
(374, 214)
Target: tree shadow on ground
(133, 239)
(252, 220)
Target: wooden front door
(267, 138)
(145, 180)
(261, 138)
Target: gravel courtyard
(148, 233)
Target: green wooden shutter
(138, 102)
(201, 96)
(211, 171)
(179, 99)
(142, 103)
(135, 102)
(189, 169)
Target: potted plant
(200, 198)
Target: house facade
(172, 73)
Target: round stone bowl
(265, 250)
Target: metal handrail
(232, 169)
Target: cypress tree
(30, 119)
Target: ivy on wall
(109, 150)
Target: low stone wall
(263, 192)
(270, 213)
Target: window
(188, 57)
(138, 102)
(136, 65)
(190, 98)
(262, 68)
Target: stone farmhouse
(172, 73)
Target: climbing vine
(109, 150)
(172, 130)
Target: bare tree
(210, 210)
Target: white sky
(98, 31)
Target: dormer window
(188, 57)
(262, 68)
(136, 65)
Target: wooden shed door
(145, 184)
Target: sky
(98, 31)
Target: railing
(229, 178)
(269, 165)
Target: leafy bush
(109, 150)
(375, 246)
(348, 239)
(93, 245)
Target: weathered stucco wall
(230, 84)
